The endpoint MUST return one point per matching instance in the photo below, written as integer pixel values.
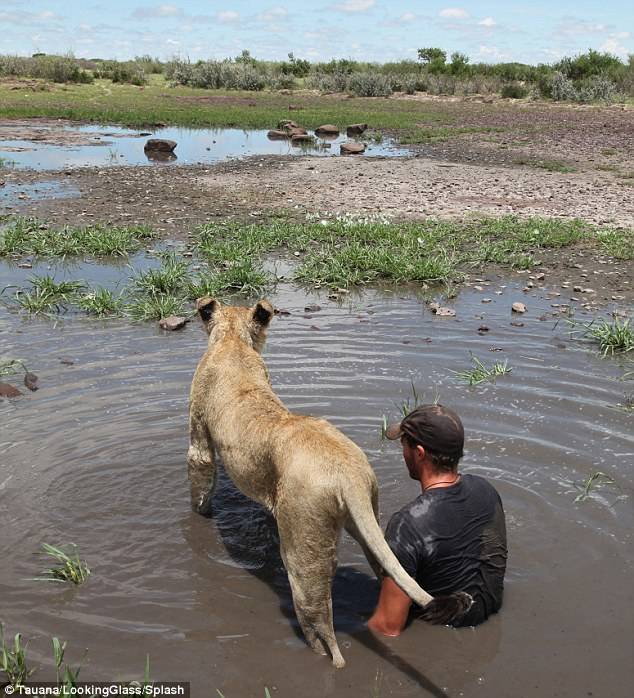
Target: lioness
(312, 478)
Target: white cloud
(612, 45)
(407, 17)
(157, 11)
(454, 13)
(29, 18)
(487, 22)
(493, 53)
(227, 16)
(274, 14)
(355, 6)
(571, 26)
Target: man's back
(454, 539)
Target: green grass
(432, 134)
(350, 251)
(10, 367)
(169, 279)
(70, 567)
(67, 677)
(157, 103)
(13, 660)
(596, 479)
(618, 243)
(548, 165)
(21, 236)
(480, 373)
(155, 307)
(101, 302)
(47, 295)
(613, 336)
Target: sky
(539, 31)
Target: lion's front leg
(201, 467)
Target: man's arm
(390, 614)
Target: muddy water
(97, 457)
(114, 146)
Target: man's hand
(390, 615)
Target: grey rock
(162, 145)
(172, 323)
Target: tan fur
(313, 479)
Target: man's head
(437, 429)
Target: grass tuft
(597, 479)
(613, 336)
(13, 660)
(154, 307)
(480, 373)
(70, 568)
(101, 302)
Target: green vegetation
(13, 660)
(613, 336)
(101, 302)
(481, 373)
(70, 568)
(66, 676)
(154, 307)
(548, 165)
(617, 243)
(591, 76)
(597, 479)
(47, 295)
(21, 236)
(9, 367)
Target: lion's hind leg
(309, 551)
(201, 467)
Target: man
(452, 537)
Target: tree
(459, 63)
(433, 58)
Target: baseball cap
(434, 426)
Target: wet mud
(97, 457)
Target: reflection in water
(160, 156)
(114, 146)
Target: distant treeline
(588, 77)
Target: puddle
(16, 193)
(97, 457)
(61, 147)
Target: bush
(562, 89)
(52, 68)
(369, 85)
(122, 72)
(514, 91)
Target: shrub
(514, 91)
(369, 85)
(562, 89)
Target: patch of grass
(548, 165)
(617, 243)
(21, 236)
(154, 307)
(607, 168)
(47, 295)
(432, 134)
(627, 405)
(480, 373)
(613, 337)
(70, 567)
(6, 162)
(626, 175)
(9, 367)
(13, 660)
(608, 151)
(169, 279)
(101, 302)
(597, 479)
(242, 277)
(67, 677)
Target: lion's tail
(439, 610)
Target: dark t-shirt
(454, 539)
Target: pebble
(518, 308)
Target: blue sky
(537, 31)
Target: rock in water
(356, 129)
(350, 148)
(7, 390)
(162, 145)
(327, 130)
(518, 308)
(172, 323)
(31, 380)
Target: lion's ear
(206, 307)
(262, 313)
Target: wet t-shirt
(454, 539)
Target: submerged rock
(302, 138)
(172, 323)
(31, 380)
(161, 145)
(277, 135)
(7, 390)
